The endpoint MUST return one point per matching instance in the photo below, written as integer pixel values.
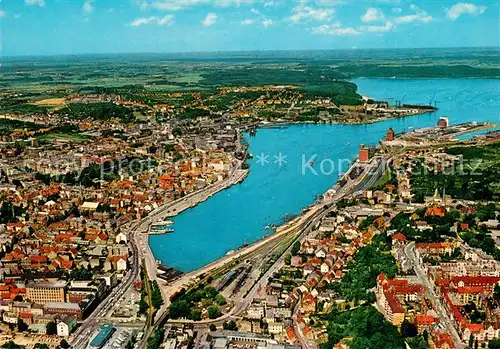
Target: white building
(65, 325)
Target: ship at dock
(161, 227)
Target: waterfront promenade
(138, 238)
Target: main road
(442, 313)
(138, 237)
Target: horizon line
(244, 51)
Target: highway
(442, 313)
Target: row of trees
(98, 111)
(186, 305)
(368, 263)
(366, 327)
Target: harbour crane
(432, 100)
(399, 101)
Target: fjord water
(240, 214)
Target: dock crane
(432, 100)
(399, 101)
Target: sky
(50, 27)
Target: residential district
(401, 252)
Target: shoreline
(204, 194)
(268, 125)
(207, 195)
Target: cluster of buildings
(302, 287)
(64, 202)
(49, 306)
(464, 284)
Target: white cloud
(330, 2)
(209, 20)
(165, 20)
(177, 5)
(388, 2)
(169, 5)
(273, 3)
(462, 8)
(247, 21)
(143, 4)
(88, 7)
(267, 22)
(378, 28)
(373, 15)
(40, 3)
(334, 29)
(418, 16)
(303, 12)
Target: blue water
(470, 135)
(239, 214)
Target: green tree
(41, 346)
(179, 309)
(471, 341)
(220, 299)
(288, 259)
(408, 329)
(213, 328)
(417, 342)
(296, 248)
(195, 315)
(230, 326)
(51, 328)
(213, 312)
(496, 293)
(425, 334)
(11, 345)
(64, 344)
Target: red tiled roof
(393, 302)
(399, 237)
(423, 320)
(435, 211)
(475, 327)
(470, 289)
(291, 334)
(475, 280)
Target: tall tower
(390, 135)
(364, 154)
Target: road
(442, 313)
(304, 342)
(82, 336)
(138, 237)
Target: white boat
(161, 227)
(165, 222)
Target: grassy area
(69, 137)
(476, 178)
(196, 303)
(7, 126)
(363, 328)
(369, 261)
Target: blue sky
(45, 27)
